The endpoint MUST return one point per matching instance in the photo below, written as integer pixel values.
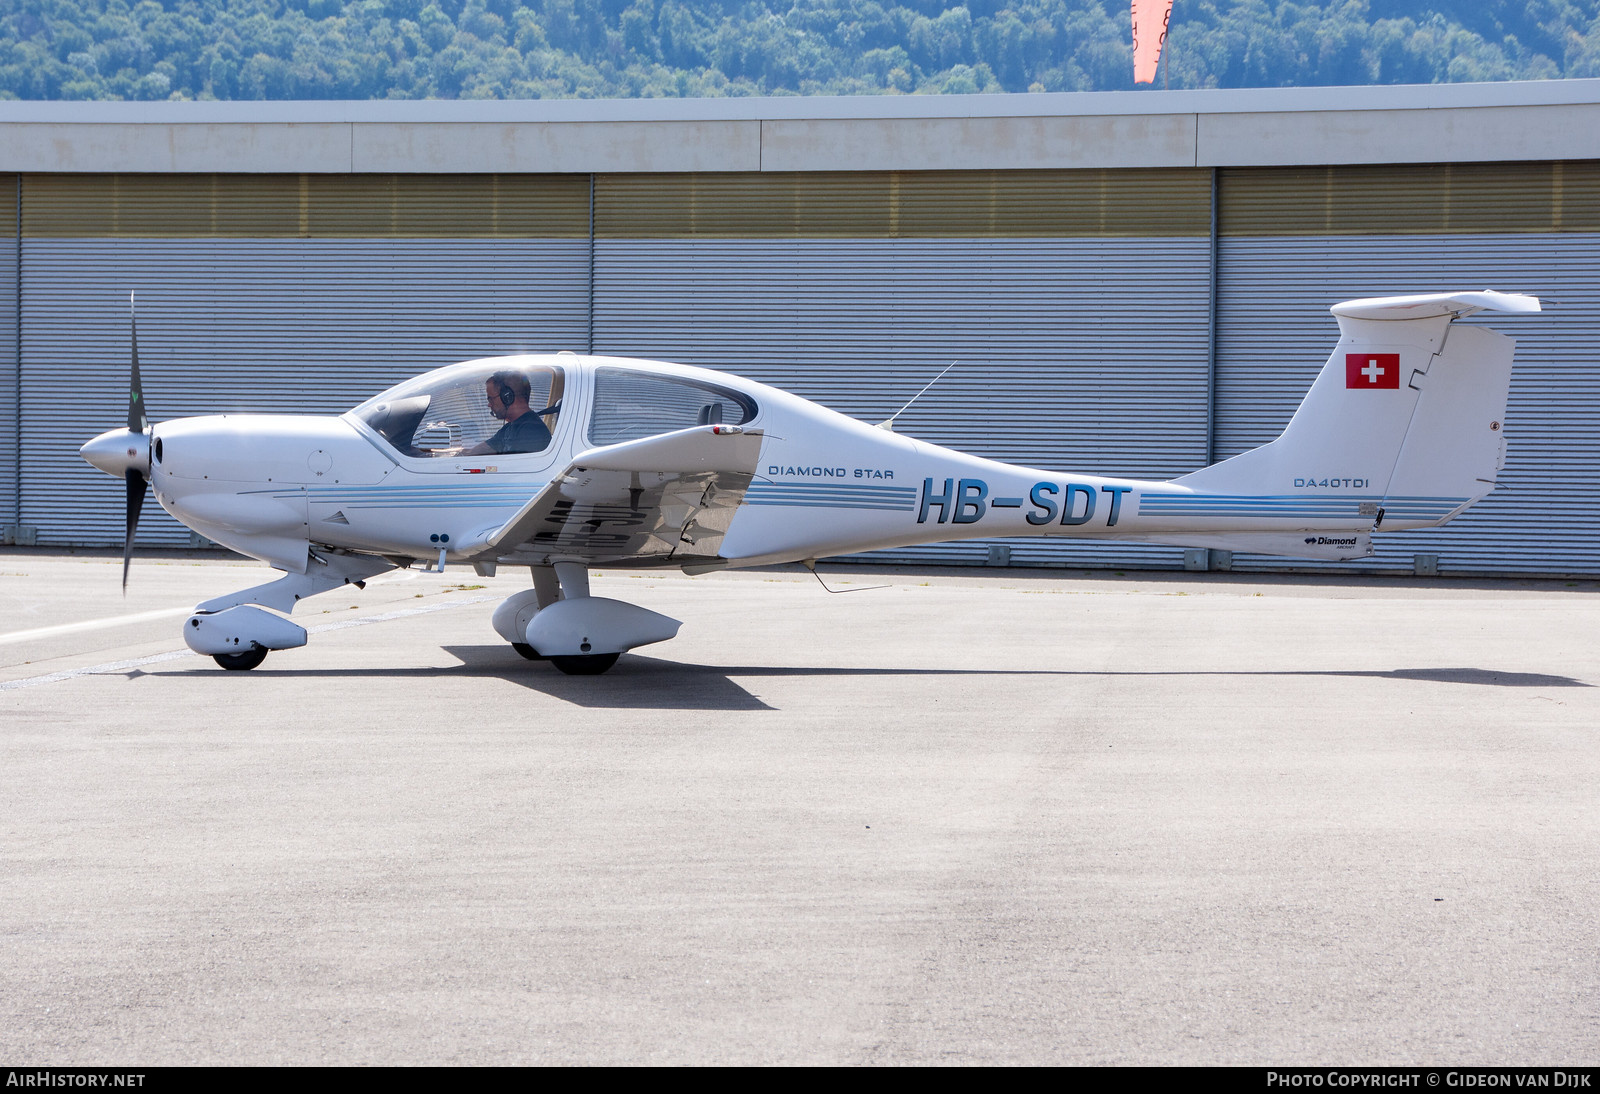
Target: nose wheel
(241, 662)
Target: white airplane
(562, 462)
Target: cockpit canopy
(509, 405)
(472, 409)
(630, 404)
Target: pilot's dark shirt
(526, 434)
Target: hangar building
(1133, 283)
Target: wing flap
(669, 497)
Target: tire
(592, 664)
(527, 651)
(241, 662)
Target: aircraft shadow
(639, 683)
(650, 683)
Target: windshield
(476, 409)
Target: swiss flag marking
(1372, 370)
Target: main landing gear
(592, 664)
(581, 635)
(589, 665)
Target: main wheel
(241, 661)
(527, 651)
(590, 664)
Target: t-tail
(1403, 428)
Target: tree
(357, 49)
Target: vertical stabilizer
(1407, 412)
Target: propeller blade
(137, 421)
(136, 485)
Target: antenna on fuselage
(888, 423)
(811, 564)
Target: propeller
(125, 453)
(135, 479)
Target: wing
(667, 498)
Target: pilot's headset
(504, 390)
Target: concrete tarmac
(981, 816)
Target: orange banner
(1149, 35)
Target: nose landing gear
(241, 662)
(240, 637)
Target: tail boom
(1402, 429)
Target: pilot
(524, 429)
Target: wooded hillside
(375, 49)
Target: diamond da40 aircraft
(563, 462)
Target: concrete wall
(1545, 120)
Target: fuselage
(272, 486)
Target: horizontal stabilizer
(1432, 305)
(1326, 546)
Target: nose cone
(118, 450)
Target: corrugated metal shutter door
(1274, 297)
(1084, 353)
(10, 465)
(1275, 331)
(302, 325)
